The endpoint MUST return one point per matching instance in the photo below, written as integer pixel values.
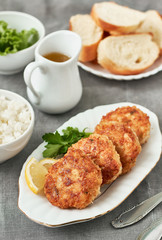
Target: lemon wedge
(35, 172)
(48, 162)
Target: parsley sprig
(59, 144)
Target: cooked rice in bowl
(15, 118)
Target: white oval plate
(37, 207)
(97, 70)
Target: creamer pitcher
(52, 86)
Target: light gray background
(96, 91)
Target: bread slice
(153, 24)
(90, 33)
(127, 54)
(113, 17)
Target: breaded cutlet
(132, 117)
(74, 181)
(125, 140)
(102, 151)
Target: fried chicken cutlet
(74, 181)
(125, 141)
(132, 117)
(102, 151)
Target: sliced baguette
(153, 24)
(127, 54)
(113, 17)
(90, 33)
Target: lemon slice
(48, 162)
(35, 174)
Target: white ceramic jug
(55, 87)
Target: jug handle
(27, 78)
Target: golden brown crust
(116, 69)
(102, 151)
(161, 20)
(125, 141)
(115, 33)
(88, 53)
(110, 27)
(132, 117)
(73, 182)
(113, 68)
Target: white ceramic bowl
(13, 63)
(9, 150)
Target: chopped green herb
(59, 144)
(12, 41)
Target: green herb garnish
(12, 41)
(59, 144)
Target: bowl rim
(32, 18)
(31, 124)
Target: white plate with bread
(37, 207)
(119, 42)
(97, 70)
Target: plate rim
(101, 214)
(86, 219)
(117, 77)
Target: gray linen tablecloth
(96, 91)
